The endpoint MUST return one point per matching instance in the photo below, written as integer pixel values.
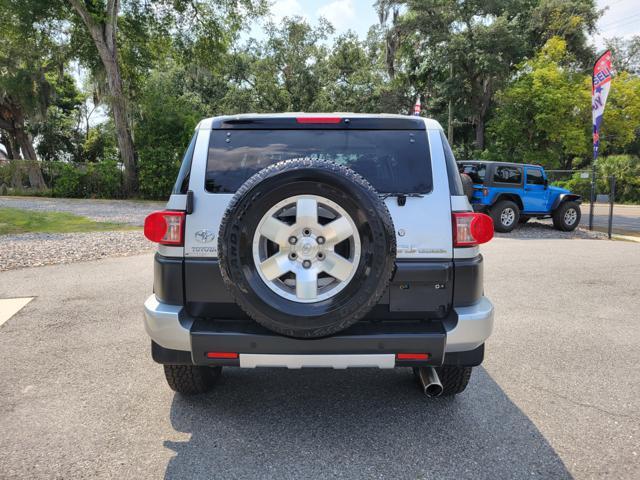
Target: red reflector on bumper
(412, 356)
(222, 355)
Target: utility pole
(450, 119)
(593, 193)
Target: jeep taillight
(470, 229)
(165, 228)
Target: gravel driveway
(130, 212)
(35, 249)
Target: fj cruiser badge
(205, 236)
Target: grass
(13, 220)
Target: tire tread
(191, 379)
(454, 379)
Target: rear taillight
(471, 229)
(165, 228)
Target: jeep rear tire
(191, 379)
(306, 247)
(506, 215)
(567, 216)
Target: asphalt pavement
(558, 395)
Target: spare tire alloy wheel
(306, 247)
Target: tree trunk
(121, 120)
(480, 132)
(104, 36)
(36, 180)
(482, 103)
(9, 145)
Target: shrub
(103, 180)
(626, 169)
(67, 181)
(158, 169)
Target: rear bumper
(179, 338)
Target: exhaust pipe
(429, 381)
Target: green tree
(459, 54)
(543, 115)
(168, 114)
(28, 54)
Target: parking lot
(558, 395)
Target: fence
(591, 187)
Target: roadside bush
(626, 169)
(158, 168)
(94, 180)
(6, 174)
(103, 180)
(68, 181)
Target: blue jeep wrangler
(513, 193)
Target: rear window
(476, 171)
(393, 161)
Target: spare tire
(467, 185)
(306, 247)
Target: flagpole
(593, 164)
(600, 84)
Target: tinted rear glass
(507, 175)
(476, 171)
(393, 161)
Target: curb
(626, 238)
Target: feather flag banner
(601, 84)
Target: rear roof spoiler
(324, 122)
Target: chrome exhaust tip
(429, 381)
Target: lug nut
(293, 240)
(320, 255)
(293, 256)
(320, 240)
(306, 264)
(306, 232)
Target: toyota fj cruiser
(513, 193)
(318, 240)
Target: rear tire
(454, 379)
(191, 379)
(567, 216)
(505, 215)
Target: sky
(622, 17)
(344, 15)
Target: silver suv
(318, 240)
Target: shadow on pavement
(354, 424)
